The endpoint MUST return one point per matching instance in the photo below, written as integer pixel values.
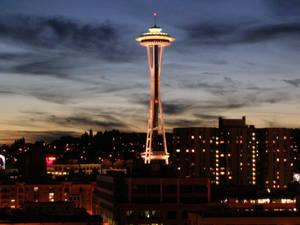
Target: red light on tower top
(154, 17)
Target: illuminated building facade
(15, 195)
(236, 154)
(149, 200)
(66, 169)
(155, 41)
(278, 156)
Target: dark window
(186, 188)
(200, 188)
(172, 215)
(184, 215)
(169, 188)
(153, 188)
(139, 188)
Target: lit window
(51, 197)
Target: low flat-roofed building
(17, 194)
(48, 213)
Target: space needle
(155, 41)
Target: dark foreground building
(149, 200)
(234, 218)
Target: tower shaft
(155, 116)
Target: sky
(70, 66)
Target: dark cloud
(59, 32)
(199, 84)
(53, 67)
(176, 123)
(208, 31)
(283, 8)
(268, 32)
(170, 107)
(210, 73)
(13, 56)
(56, 46)
(220, 34)
(206, 116)
(175, 108)
(293, 82)
(51, 95)
(85, 121)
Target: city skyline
(67, 68)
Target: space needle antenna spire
(155, 41)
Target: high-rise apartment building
(236, 154)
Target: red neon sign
(50, 160)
